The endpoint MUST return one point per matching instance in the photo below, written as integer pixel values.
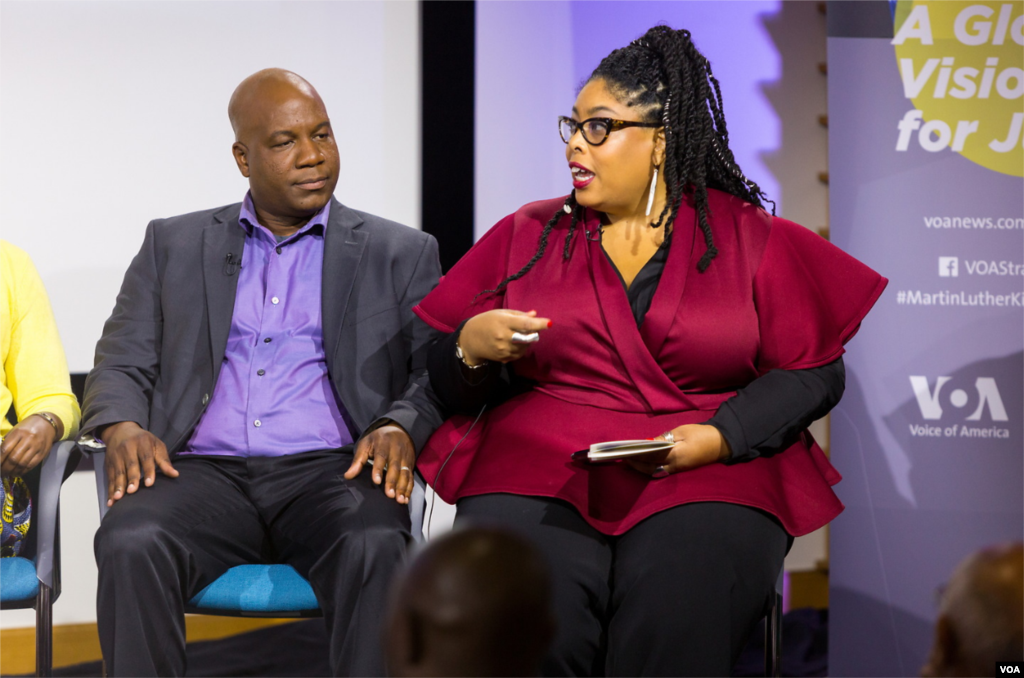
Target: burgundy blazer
(777, 296)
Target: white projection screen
(114, 113)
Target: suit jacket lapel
(222, 239)
(344, 243)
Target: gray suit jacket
(162, 348)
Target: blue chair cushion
(257, 588)
(18, 579)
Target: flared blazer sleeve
(464, 291)
(811, 298)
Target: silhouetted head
(981, 615)
(476, 602)
(285, 146)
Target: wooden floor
(78, 643)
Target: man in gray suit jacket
(258, 356)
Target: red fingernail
(549, 323)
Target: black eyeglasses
(596, 130)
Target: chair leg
(773, 640)
(44, 631)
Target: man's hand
(133, 453)
(391, 450)
(26, 445)
(696, 445)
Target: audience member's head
(981, 615)
(476, 602)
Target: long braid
(569, 206)
(688, 73)
(664, 75)
(577, 214)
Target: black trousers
(160, 546)
(677, 595)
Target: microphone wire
(437, 477)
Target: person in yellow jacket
(34, 377)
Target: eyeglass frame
(613, 126)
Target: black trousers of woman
(677, 595)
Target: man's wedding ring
(405, 468)
(520, 338)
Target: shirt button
(257, 423)
(274, 300)
(261, 372)
(267, 340)
(206, 398)
(278, 250)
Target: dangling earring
(650, 196)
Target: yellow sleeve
(35, 369)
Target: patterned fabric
(16, 515)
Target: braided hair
(668, 80)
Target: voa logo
(930, 399)
(935, 400)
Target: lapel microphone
(231, 265)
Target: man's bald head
(285, 147)
(475, 602)
(981, 616)
(265, 87)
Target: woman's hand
(488, 336)
(696, 445)
(26, 445)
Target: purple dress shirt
(273, 396)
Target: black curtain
(447, 43)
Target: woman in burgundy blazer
(669, 304)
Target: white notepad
(621, 449)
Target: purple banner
(925, 163)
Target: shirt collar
(249, 222)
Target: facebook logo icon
(949, 267)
